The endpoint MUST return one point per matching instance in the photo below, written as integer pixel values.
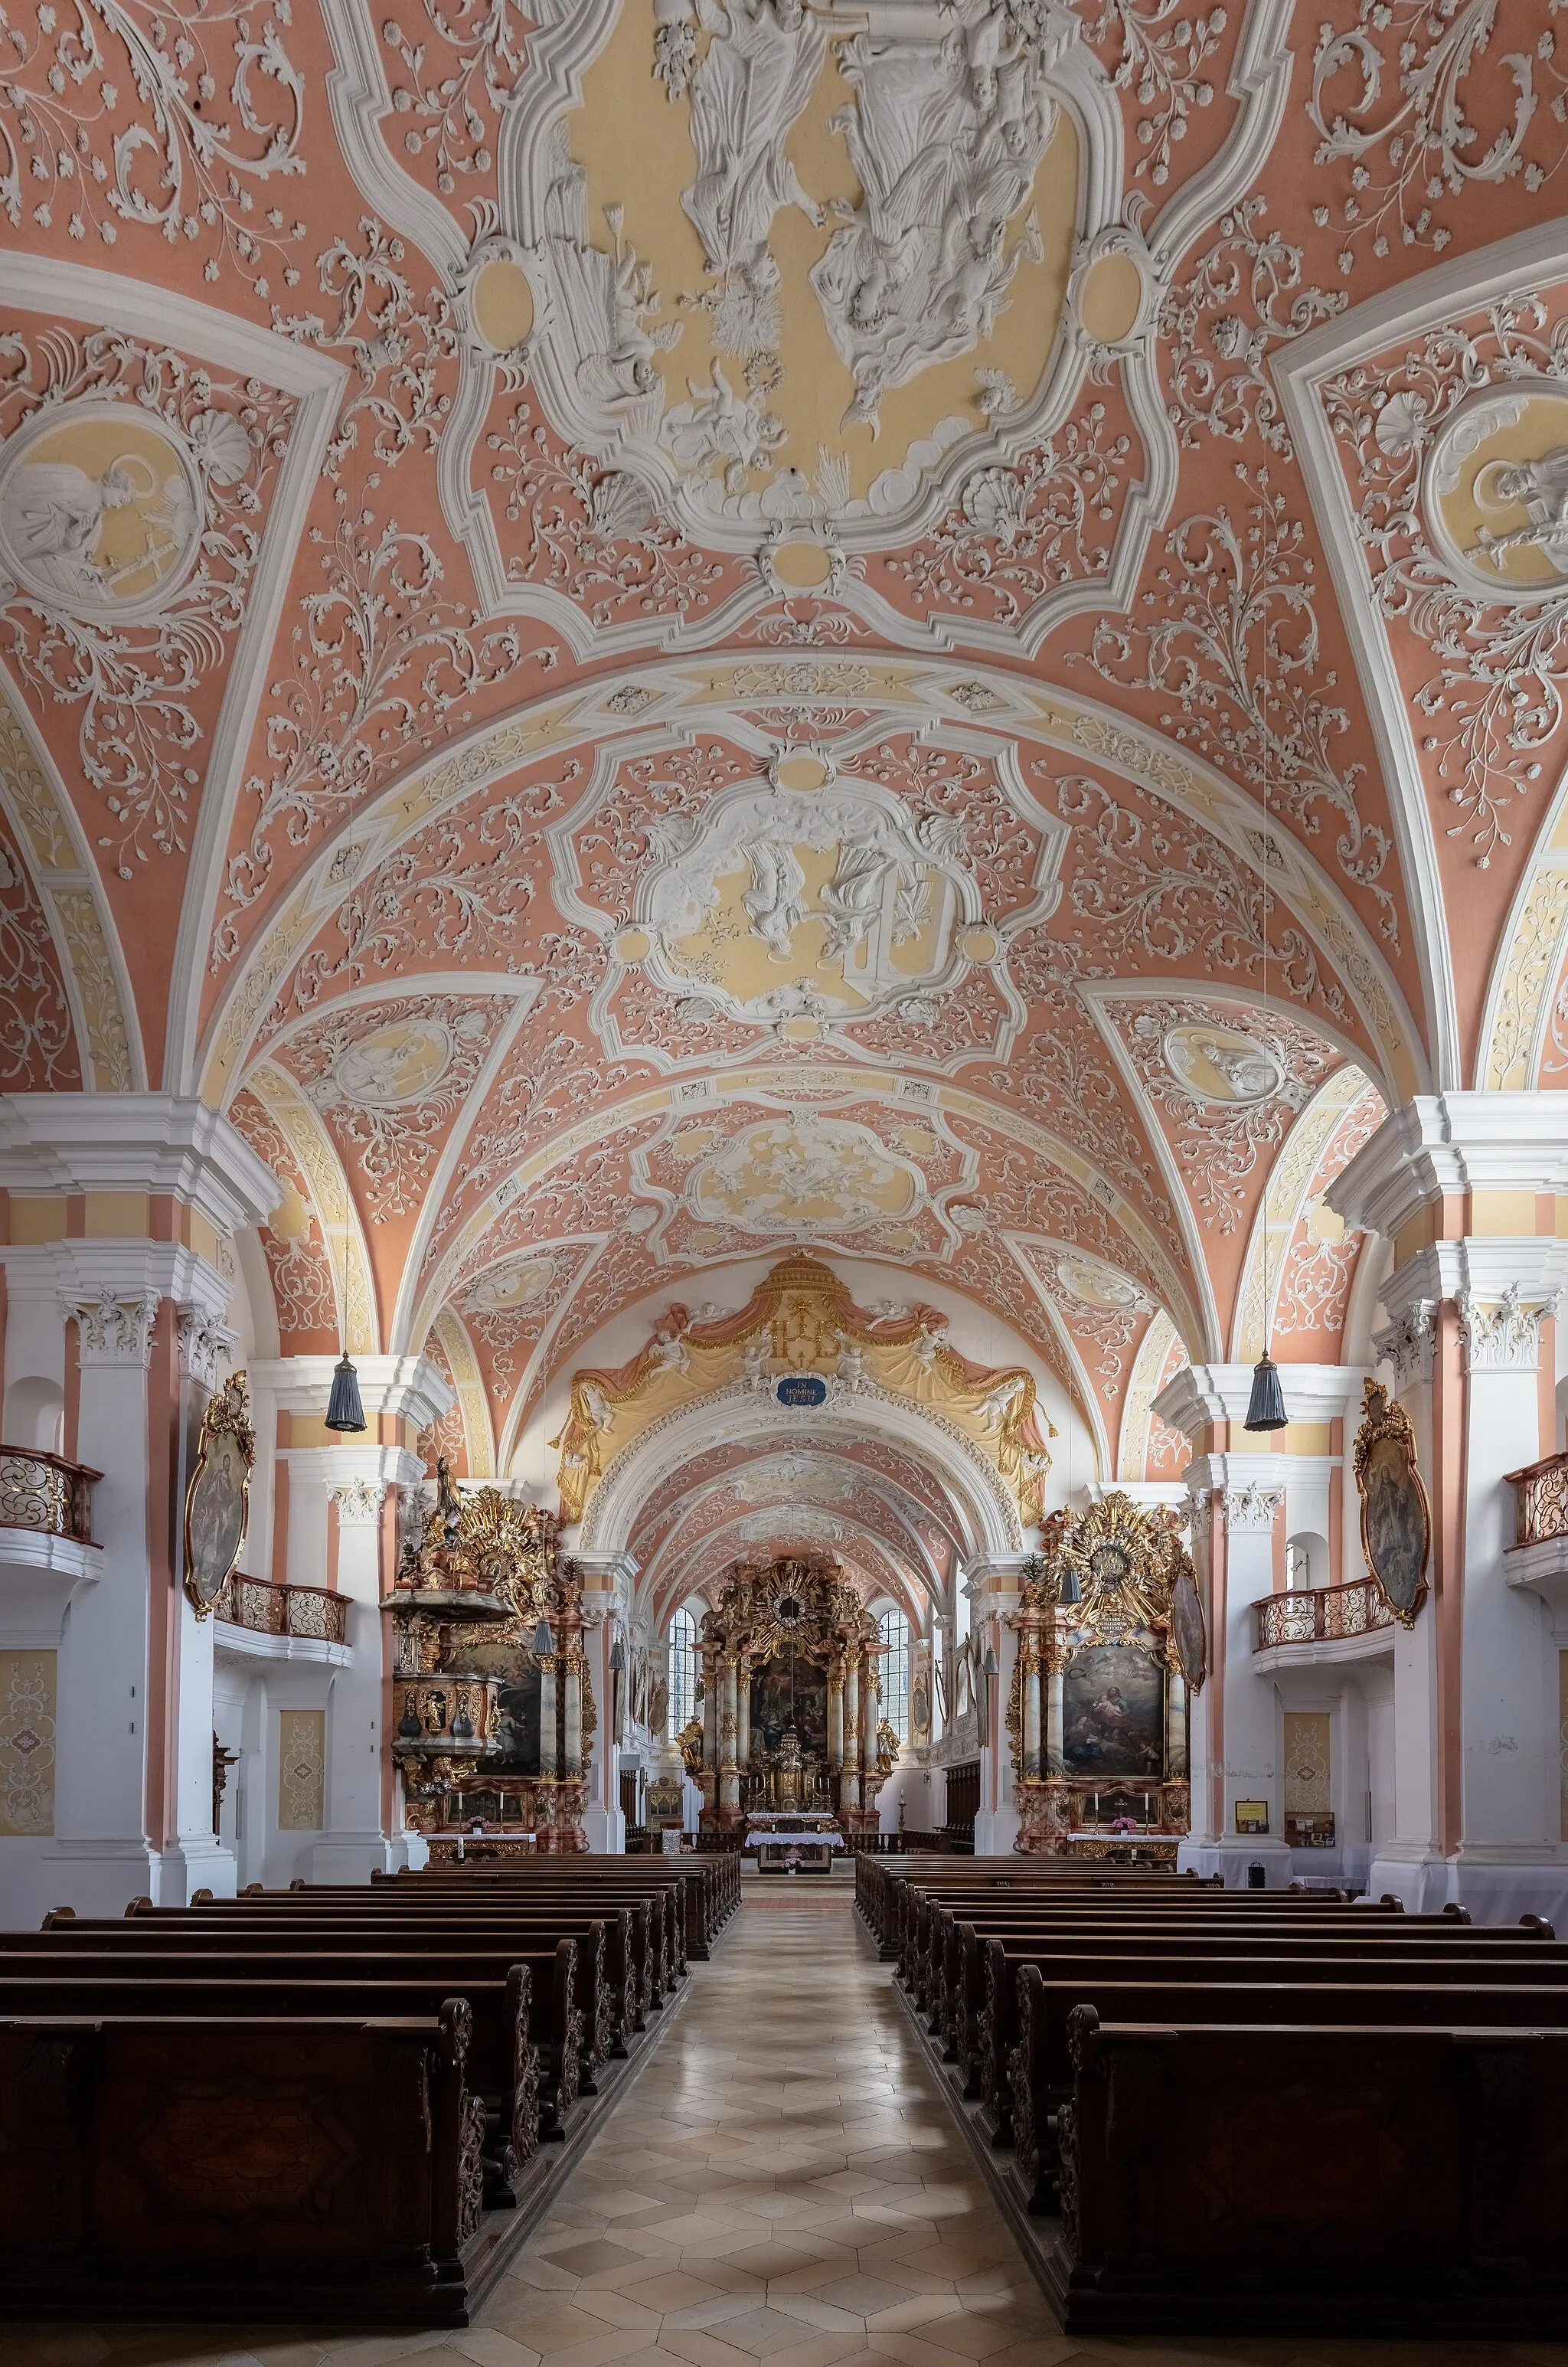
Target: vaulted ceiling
(644, 631)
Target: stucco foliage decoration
(597, 534)
(403, 356)
(1219, 1145)
(1157, 51)
(37, 1043)
(384, 667)
(1415, 105)
(1239, 302)
(136, 679)
(1495, 699)
(111, 118)
(452, 79)
(1238, 649)
(297, 1256)
(1018, 532)
(389, 1078)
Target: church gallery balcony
(282, 1622)
(46, 1513)
(1538, 1558)
(1335, 1623)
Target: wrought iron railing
(1323, 1615)
(1541, 1501)
(312, 1611)
(46, 1494)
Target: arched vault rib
(742, 1413)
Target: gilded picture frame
(1396, 1519)
(217, 1501)
(1187, 1630)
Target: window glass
(895, 1669)
(682, 1669)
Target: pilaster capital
(1247, 1489)
(1502, 1335)
(1445, 1143)
(408, 1387)
(358, 1502)
(112, 1329)
(206, 1346)
(159, 1143)
(1505, 1287)
(1406, 1342)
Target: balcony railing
(1322, 1616)
(1541, 1501)
(46, 1494)
(310, 1612)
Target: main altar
(1110, 1647)
(789, 1725)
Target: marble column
(849, 1781)
(548, 1761)
(742, 1719)
(729, 1779)
(571, 1750)
(1031, 1736)
(1176, 1723)
(836, 1715)
(1055, 1676)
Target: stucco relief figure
(1540, 488)
(946, 137)
(777, 899)
(746, 96)
(606, 303)
(718, 433)
(52, 514)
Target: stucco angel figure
(776, 900)
(721, 433)
(746, 96)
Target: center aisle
(784, 2183)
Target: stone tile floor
(784, 2184)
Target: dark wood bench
(601, 1986)
(525, 2027)
(302, 2168)
(1362, 2182)
(1041, 2064)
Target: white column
(571, 1746)
(1176, 1722)
(548, 1756)
(1031, 1736)
(849, 1780)
(835, 1716)
(1242, 1497)
(728, 1779)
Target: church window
(682, 1669)
(894, 1629)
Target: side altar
(1111, 1646)
(790, 1700)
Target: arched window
(683, 1670)
(894, 1629)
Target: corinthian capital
(114, 1329)
(1503, 1335)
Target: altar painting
(1113, 1713)
(517, 1726)
(777, 1694)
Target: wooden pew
(302, 2168)
(1362, 2182)
(601, 1983)
(1041, 2068)
(525, 2027)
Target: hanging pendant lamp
(1265, 1407)
(1071, 1592)
(345, 1408)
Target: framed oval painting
(218, 1499)
(1396, 1521)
